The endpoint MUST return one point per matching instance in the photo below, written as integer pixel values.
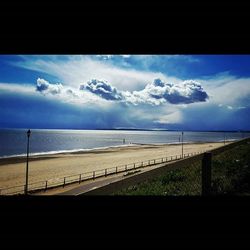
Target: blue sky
(184, 92)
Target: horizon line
(131, 129)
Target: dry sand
(41, 168)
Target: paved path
(87, 187)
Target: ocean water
(13, 142)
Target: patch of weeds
(173, 176)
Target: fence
(197, 175)
(80, 177)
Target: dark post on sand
(27, 164)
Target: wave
(228, 140)
(66, 151)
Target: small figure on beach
(123, 141)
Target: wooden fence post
(64, 181)
(134, 165)
(116, 170)
(206, 173)
(106, 172)
(93, 175)
(80, 178)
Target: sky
(174, 92)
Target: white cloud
(155, 93)
(45, 87)
(102, 89)
(126, 56)
(67, 94)
(159, 92)
(104, 57)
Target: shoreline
(51, 154)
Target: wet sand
(42, 168)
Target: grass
(230, 175)
(172, 183)
(231, 171)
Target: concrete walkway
(89, 186)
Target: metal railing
(80, 177)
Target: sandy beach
(41, 168)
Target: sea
(13, 142)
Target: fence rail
(78, 178)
